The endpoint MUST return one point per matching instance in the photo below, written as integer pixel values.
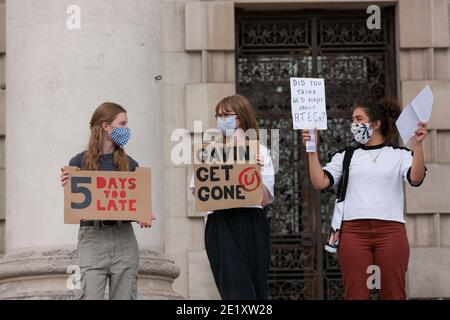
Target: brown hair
(386, 111)
(106, 112)
(243, 109)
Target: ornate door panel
(356, 63)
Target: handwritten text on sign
(107, 195)
(308, 103)
(227, 185)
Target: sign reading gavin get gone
(226, 176)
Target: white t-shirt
(375, 189)
(267, 174)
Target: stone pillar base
(42, 274)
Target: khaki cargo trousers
(108, 252)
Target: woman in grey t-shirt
(107, 250)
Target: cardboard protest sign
(308, 103)
(108, 195)
(226, 176)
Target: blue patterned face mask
(120, 136)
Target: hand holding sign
(145, 224)
(65, 176)
(309, 138)
(308, 106)
(260, 160)
(311, 143)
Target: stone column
(56, 76)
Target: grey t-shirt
(105, 162)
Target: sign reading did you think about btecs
(308, 103)
(226, 176)
(108, 195)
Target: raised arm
(418, 162)
(318, 177)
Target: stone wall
(200, 45)
(198, 68)
(424, 58)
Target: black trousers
(237, 243)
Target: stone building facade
(55, 77)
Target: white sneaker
(332, 248)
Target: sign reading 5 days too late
(108, 195)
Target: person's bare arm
(418, 162)
(318, 177)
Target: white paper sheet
(418, 110)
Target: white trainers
(332, 248)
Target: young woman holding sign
(107, 250)
(237, 240)
(373, 235)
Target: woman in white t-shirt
(237, 240)
(373, 229)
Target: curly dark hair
(386, 111)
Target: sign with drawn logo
(226, 176)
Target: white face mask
(227, 126)
(362, 132)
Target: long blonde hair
(106, 112)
